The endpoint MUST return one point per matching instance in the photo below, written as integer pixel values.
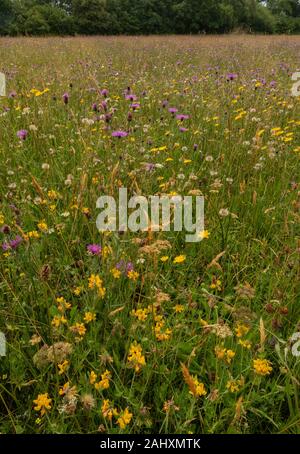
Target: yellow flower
(1, 219)
(43, 403)
(140, 314)
(204, 234)
(89, 317)
(104, 382)
(245, 343)
(77, 291)
(79, 329)
(135, 356)
(58, 320)
(179, 259)
(241, 330)
(234, 385)
(116, 273)
(226, 355)
(93, 377)
(96, 282)
(133, 275)
(107, 410)
(164, 258)
(63, 367)
(42, 225)
(199, 387)
(33, 234)
(262, 366)
(124, 419)
(178, 308)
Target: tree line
(134, 17)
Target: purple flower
(273, 84)
(95, 107)
(195, 146)
(149, 166)
(165, 103)
(131, 97)
(104, 105)
(104, 92)
(232, 76)
(22, 134)
(173, 110)
(135, 105)
(125, 267)
(5, 246)
(12, 94)
(182, 117)
(66, 98)
(119, 134)
(94, 249)
(15, 243)
(5, 229)
(183, 129)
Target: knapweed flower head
(22, 134)
(119, 134)
(182, 117)
(262, 367)
(42, 403)
(94, 249)
(65, 98)
(232, 76)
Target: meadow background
(145, 333)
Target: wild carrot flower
(42, 403)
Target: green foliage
(147, 17)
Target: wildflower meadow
(122, 332)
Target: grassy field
(143, 332)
